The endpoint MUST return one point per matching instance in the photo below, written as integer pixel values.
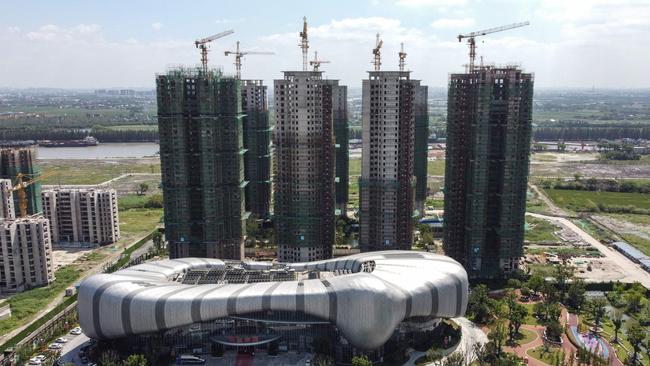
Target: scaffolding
(488, 144)
(201, 153)
(257, 142)
(421, 147)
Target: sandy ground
(569, 169)
(64, 256)
(623, 227)
(551, 157)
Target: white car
(55, 346)
(41, 357)
(34, 361)
(75, 331)
(61, 340)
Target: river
(101, 151)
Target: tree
(322, 360)
(497, 336)
(481, 353)
(633, 300)
(142, 188)
(561, 146)
(455, 359)
(536, 283)
(597, 309)
(518, 317)
(635, 335)
(361, 360)
(480, 306)
(646, 345)
(135, 360)
(554, 330)
(157, 240)
(109, 358)
(563, 274)
(576, 294)
(617, 319)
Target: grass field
(94, 171)
(584, 200)
(435, 167)
(540, 230)
(25, 305)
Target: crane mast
(402, 57)
(304, 43)
(23, 181)
(377, 53)
(202, 44)
(472, 42)
(240, 54)
(316, 62)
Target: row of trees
(102, 134)
(595, 184)
(592, 132)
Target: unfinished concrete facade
(7, 211)
(257, 142)
(421, 147)
(387, 184)
(14, 160)
(202, 163)
(25, 254)
(488, 146)
(303, 167)
(79, 215)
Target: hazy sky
(98, 44)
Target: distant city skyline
(123, 44)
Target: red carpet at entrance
(244, 360)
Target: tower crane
(203, 45)
(402, 57)
(239, 54)
(304, 43)
(316, 62)
(472, 44)
(23, 181)
(377, 53)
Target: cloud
(430, 3)
(13, 29)
(156, 26)
(54, 33)
(451, 23)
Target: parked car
(55, 346)
(61, 340)
(189, 360)
(75, 331)
(34, 361)
(41, 357)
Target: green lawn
(26, 304)
(525, 336)
(140, 127)
(544, 270)
(540, 230)
(638, 242)
(139, 221)
(584, 200)
(546, 357)
(94, 171)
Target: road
(471, 334)
(632, 271)
(70, 351)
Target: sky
(107, 44)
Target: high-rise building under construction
(489, 117)
(421, 147)
(22, 159)
(387, 184)
(257, 142)
(201, 155)
(304, 157)
(341, 137)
